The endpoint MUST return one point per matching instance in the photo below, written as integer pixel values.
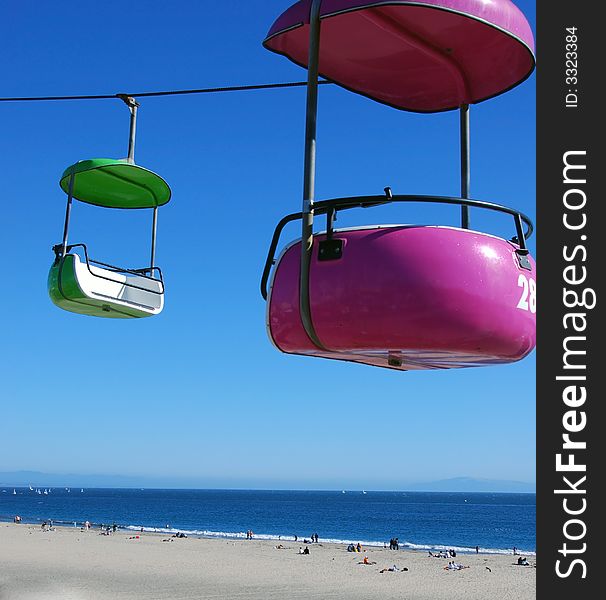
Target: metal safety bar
(335, 204)
(60, 255)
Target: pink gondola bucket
(410, 298)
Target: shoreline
(404, 546)
(71, 564)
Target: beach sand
(70, 564)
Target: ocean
(420, 520)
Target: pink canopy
(422, 56)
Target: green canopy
(115, 184)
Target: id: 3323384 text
(572, 67)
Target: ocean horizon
(423, 521)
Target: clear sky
(199, 391)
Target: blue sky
(199, 392)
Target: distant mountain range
(38, 479)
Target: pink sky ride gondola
(404, 297)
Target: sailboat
(31, 489)
(14, 492)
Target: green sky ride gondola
(77, 283)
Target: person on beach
(300, 550)
(515, 550)
(359, 547)
(393, 569)
(453, 566)
(477, 549)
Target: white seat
(135, 291)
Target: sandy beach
(71, 564)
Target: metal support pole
(153, 241)
(465, 166)
(309, 176)
(133, 105)
(132, 133)
(68, 211)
